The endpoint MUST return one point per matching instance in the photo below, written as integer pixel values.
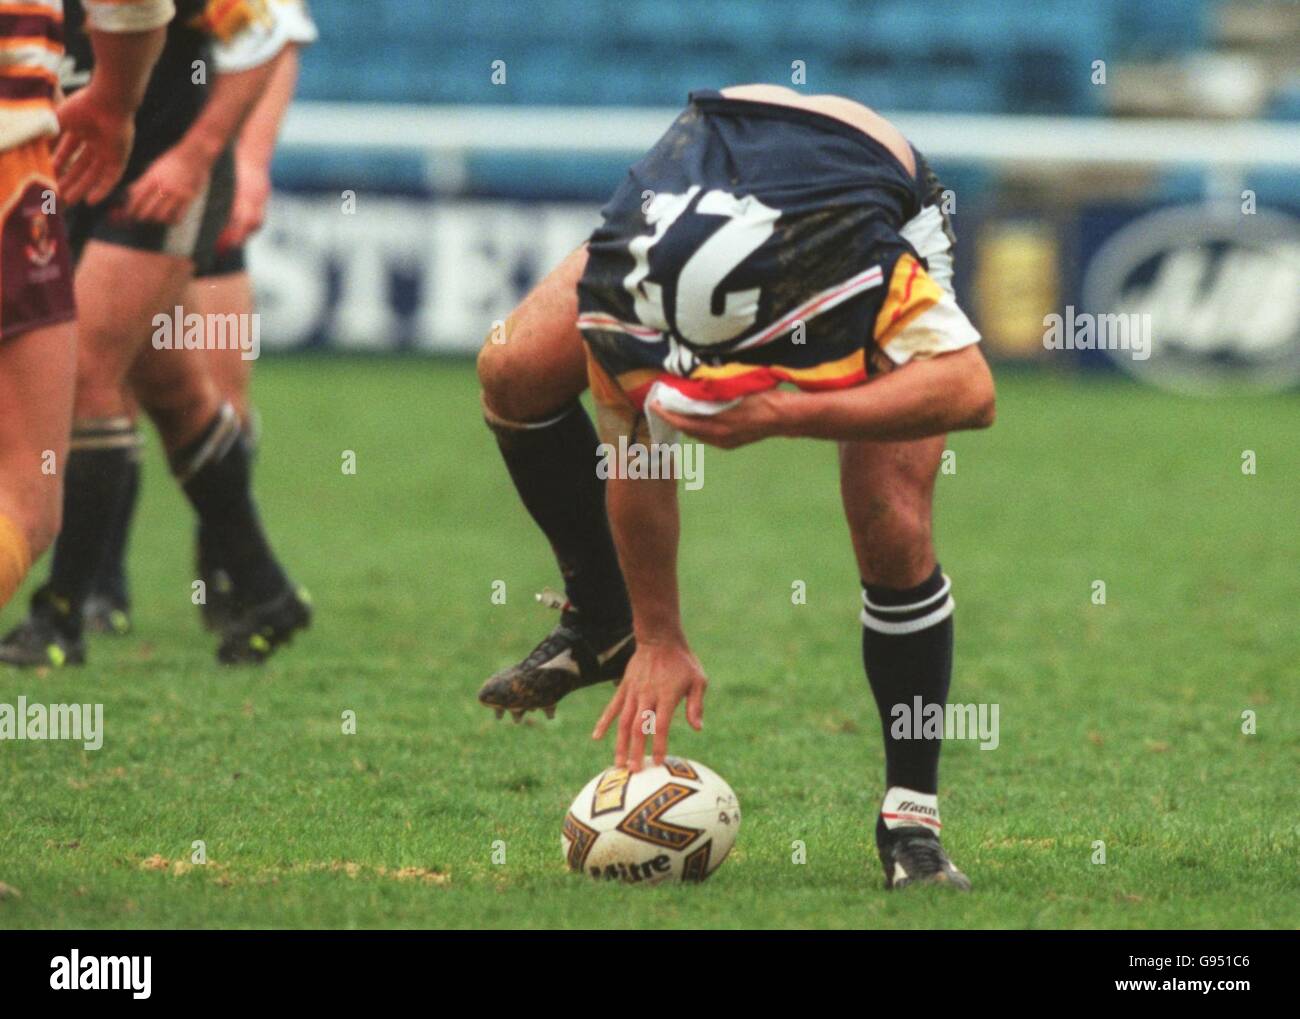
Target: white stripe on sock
(947, 586)
(911, 625)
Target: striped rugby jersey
(31, 52)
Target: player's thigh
(536, 364)
(888, 494)
(37, 371)
(120, 291)
(226, 294)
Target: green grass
(1119, 723)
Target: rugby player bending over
(767, 238)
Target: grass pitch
(1120, 723)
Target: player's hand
(248, 212)
(167, 188)
(755, 417)
(95, 138)
(658, 677)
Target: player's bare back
(862, 117)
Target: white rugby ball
(676, 821)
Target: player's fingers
(642, 717)
(64, 152)
(697, 426)
(245, 227)
(72, 187)
(146, 206)
(695, 707)
(160, 208)
(77, 181)
(235, 233)
(171, 209)
(684, 422)
(251, 222)
(102, 183)
(611, 712)
(624, 732)
(136, 197)
(662, 721)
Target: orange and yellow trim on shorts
(912, 292)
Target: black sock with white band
(553, 466)
(214, 473)
(907, 650)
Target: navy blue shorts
(194, 237)
(757, 244)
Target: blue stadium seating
(973, 56)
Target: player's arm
(255, 149)
(663, 672)
(97, 124)
(946, 393)
(252, 44)
(175, 179)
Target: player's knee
(494, 370)
(103, 357)
(983, 400)
(511, 390)
(99, 398)
(180, 411)
(893, 537)
(878, 516)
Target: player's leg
(212, 462)
(37, 362)
(533, 374)
(107, 609)
(118, 292)
(221, 287)
(227, 289)
(907, 640)
(37, 368)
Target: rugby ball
(676, 821)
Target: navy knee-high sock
(215, 475)
(110, 579)
(553, 466)
(96, 488)
(907, 640)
